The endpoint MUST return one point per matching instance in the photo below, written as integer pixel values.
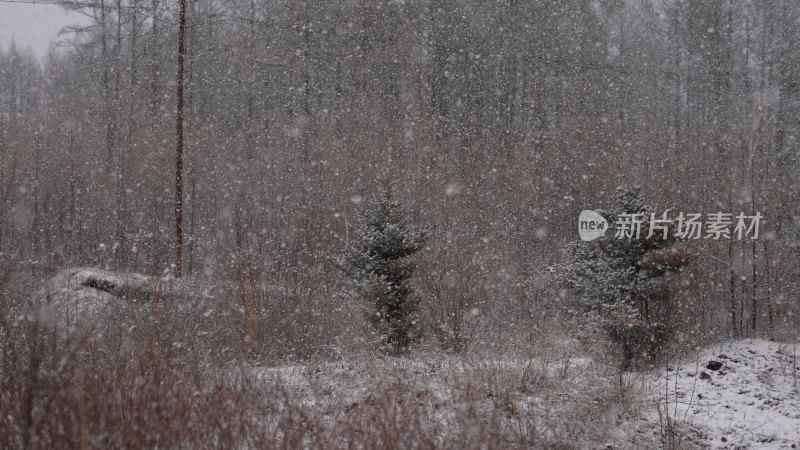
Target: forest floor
(738, 394)
(749, 400)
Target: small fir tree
(620, 282)
(378, 268)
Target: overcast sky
(34, 25)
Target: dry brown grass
(186, 379)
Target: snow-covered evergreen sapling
(620, 282)
(377, 265)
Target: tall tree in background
(285, 105)
(179, 145)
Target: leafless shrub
(454, 291)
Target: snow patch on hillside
(740, 394)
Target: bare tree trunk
(106, 83)
(306, 87)
(179, 145)
(3, 181)
(770, 311)
(119, 169)
(754, 291)
(36, 224)
(134, 54)
(731, 267)
(154, 59)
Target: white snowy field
(750, 401)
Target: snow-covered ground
(80, 297)
(737, 395)
(559, 400)
(750, 401)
